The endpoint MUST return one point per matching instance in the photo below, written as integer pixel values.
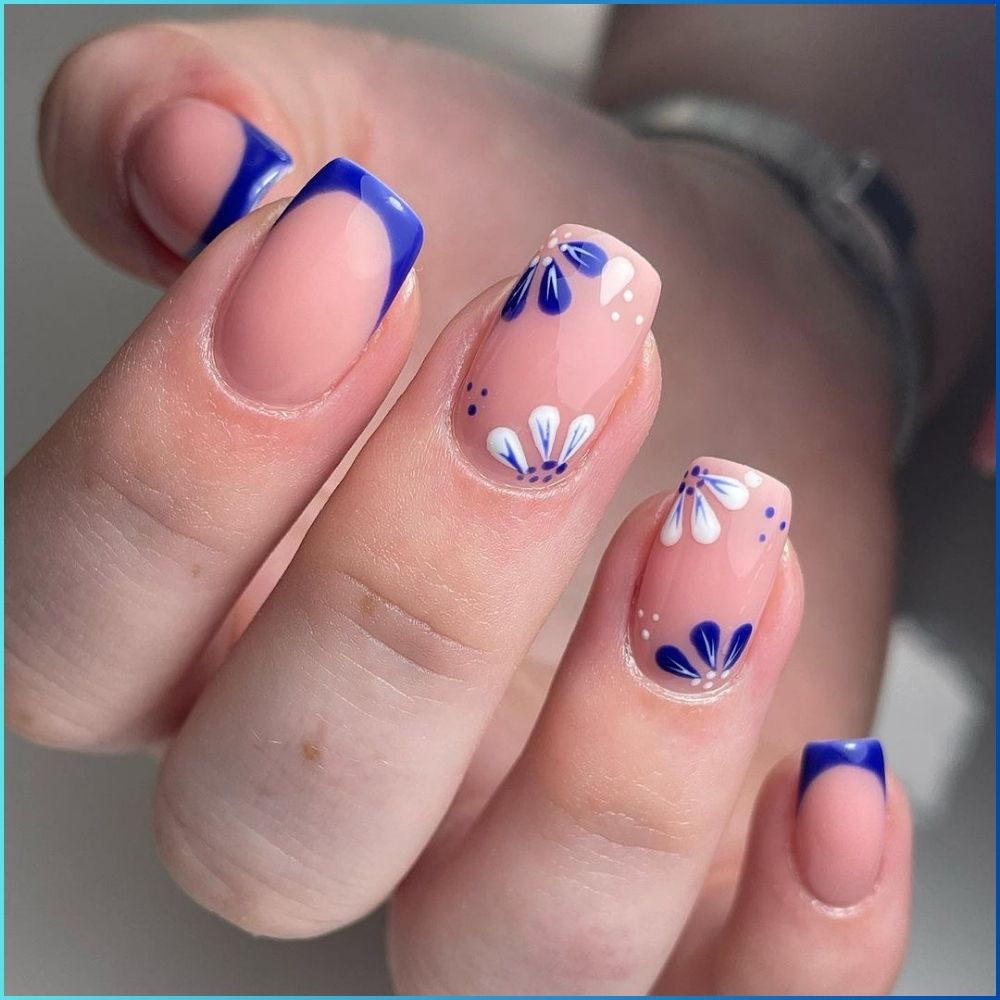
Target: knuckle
(404, 640)
(243, 877)
(615, 813)
(37, 706)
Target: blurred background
(88, 907)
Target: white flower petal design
(673, 526)
(705, 527)
(579, 430)
(731, 493)
(505, 446)
(544, 422)
(752, 478)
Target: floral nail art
(709, 574)
(547, 375)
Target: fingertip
(823, 901)
(152, 141)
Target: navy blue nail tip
(263, 163)
(402, 226)
(706, 638)
(820, 757)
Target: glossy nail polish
(709, 574)
(840, 822)
(320, 284)
(547, 375)
(194, 168)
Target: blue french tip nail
(402, 225)
(264, 163)
(821, 756)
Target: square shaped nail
(709, 574)
(546, 376)
(319, 286)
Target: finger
(580, 873)
(138, 519)
(320, 760)
(146, 131)
(824, 901)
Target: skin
(752, 308)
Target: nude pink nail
(709, 575)
(194, 168)
(840, 823)
(319, 286)
(547, 375)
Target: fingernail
(709, 574)
(317, 289)
(546, 376)
(194, 169)
(840, 824)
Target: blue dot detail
(783, 525)
(547, 479)
(769, 512)
(531, 469)
(468, 388)
(762, 538)
(520, 477)
(549, 464)
(690, 491)
(701, 482)
(533, 479)
(484, 392)
(696, 470)
(560, 469)
(472, 409)
(680, 489)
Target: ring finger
(579, 875)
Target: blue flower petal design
(587, 258)
(554, 295)
(737, 644)
(671, 659)
(705, 638)
(514, 305)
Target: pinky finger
(823, 906)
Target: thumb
(157, 137)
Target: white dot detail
(709, 684)
(567, 235)
(695, 681)
(645, 633)
(640, 319)
(752, 478)
(641, 612)
(552, 243)
(546, 261)
(656, 618)
(615, 316)
(628, 295)
(711, 675)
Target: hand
(136, 523)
